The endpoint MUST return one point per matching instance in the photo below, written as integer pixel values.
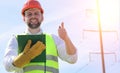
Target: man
(62, 46)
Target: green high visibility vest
(50, 65)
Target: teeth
(33, 20)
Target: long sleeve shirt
(12, 51)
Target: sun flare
(109, 14)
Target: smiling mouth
(33, 21)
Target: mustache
(33, 19)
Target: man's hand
(35, 50)
(62, 31)
(70, 48)
(28, 54)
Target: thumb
(27, 46)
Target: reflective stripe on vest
(51, 64)
(42, 68)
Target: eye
(37, 13)
(28, 14)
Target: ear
(23, 18)
(42, 18)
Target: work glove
(28, 54)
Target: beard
(34, 25)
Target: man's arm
(10, 54)
(70, 48)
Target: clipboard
(23, 39)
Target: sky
(81, 22)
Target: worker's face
(33, 18)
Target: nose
(33, 16)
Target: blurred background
(82, 19)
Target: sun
(109, 14)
